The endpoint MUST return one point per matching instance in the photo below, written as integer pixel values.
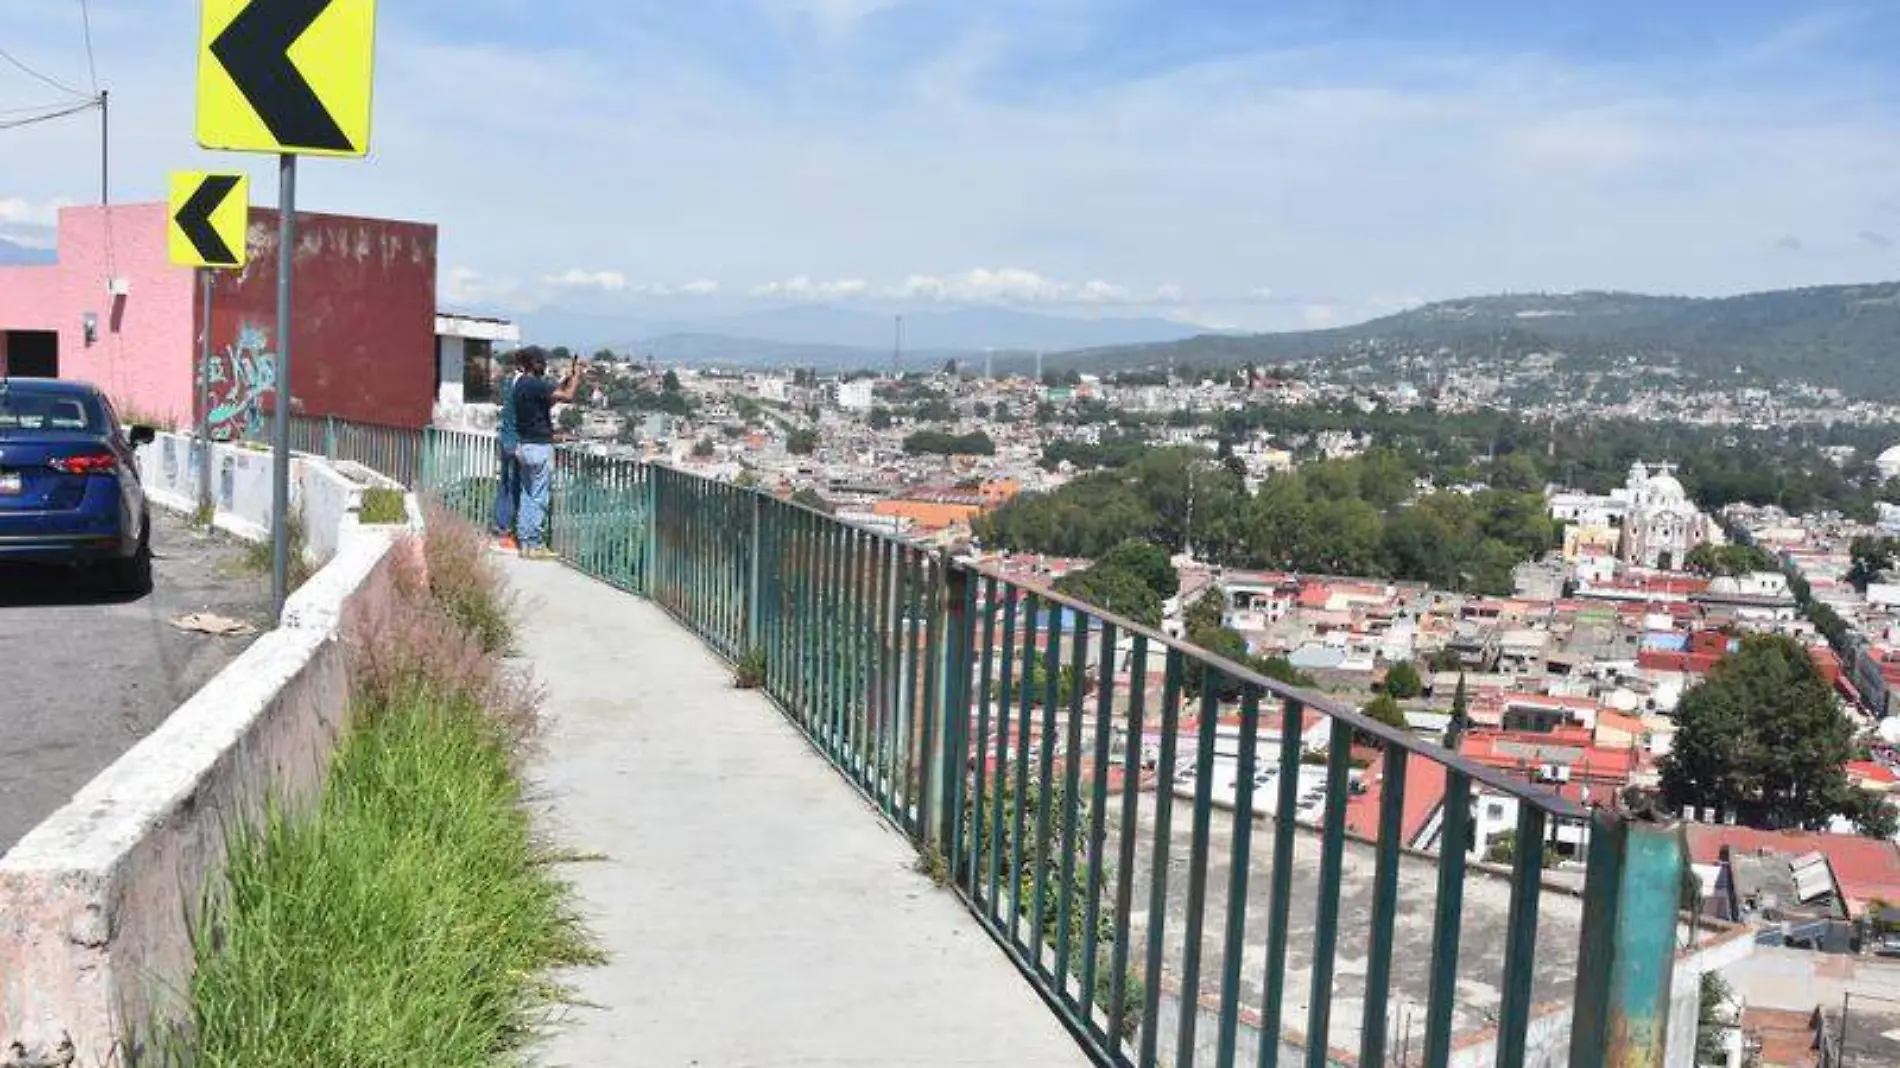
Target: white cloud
(833, 17)
(1319, 316)
(1014, 285)
(704, 287)
(577, 278)
(21, 211)
(801, 287)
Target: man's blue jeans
(508, 493)
(537, 476)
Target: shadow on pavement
(58, 587)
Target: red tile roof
(1424, 793)
(1865, 868)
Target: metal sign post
(280, 423)
(255, 95)
(204, 401)
(208, 229)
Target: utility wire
(92, 66)
(13, 124)
(32, 109)
(30, 72)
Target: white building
(855, 396)
(1659, 525)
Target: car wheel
(132, 576)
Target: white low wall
(97, 902)
(327, 495)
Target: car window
(21, 411)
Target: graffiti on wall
(241, 376)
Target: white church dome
(1666, 488)
(1889, 463)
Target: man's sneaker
(506, 543)
(539, 552)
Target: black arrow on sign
(255, 49)
(194, 218)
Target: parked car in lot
(70, 492)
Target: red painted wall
(363, 314)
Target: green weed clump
(298, 569)
(463, 579)
(383, 506)
(410, 917)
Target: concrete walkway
(756, 911)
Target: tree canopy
(1352, 517)
(1402, 681)
(938, 443)
(1732, 560)
(802, 442)
(1762, 738)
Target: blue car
(69, 483)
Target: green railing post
(754, 604)
(1626, 961)
(650, 552)
(329, 437)
(945, 760)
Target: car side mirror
(142, 435)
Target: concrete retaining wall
(96, 904)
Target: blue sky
(1261, 165)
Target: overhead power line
(92, 65)
(31, 73)
(13, 124)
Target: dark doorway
(32, 353)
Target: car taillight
(98, 463)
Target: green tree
(703, 448)
(1149, 562)
(802, 442)
(1734, 560)
(1762, 738)
(748, 479)
(981, 409)
(1460, 716)
(670, 382)
(1206, 613)
(570, 420)
(1114, 589)
(937, 443)
(1402, 681)
(810, 498)
(1002, 414)
(880, 418)
(1196, 675)
(1873, 558)
(1386, 710)
(1713, 1020)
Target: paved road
(84, 675)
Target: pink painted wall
(364, 333)
(143, 353)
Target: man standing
(535, 398)
(508, 442)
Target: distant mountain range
(819, 335)
(1847, 337)
(17, 255)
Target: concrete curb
(97, 904)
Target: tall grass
(411, 918)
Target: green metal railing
(390, 450)
(1175, 850)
